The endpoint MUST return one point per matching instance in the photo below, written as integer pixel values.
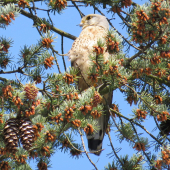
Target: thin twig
(85, 149)
(126, 13)
(114, 150)
(19, 70)
(18, 80)
(118, 127)
(139, 141)
(62, 49)
(81, 14)
(131, 120)
(48, 12)
(147, 104)
(55, 58)
(34, 8)
(123, 19)
(72, 144)
(77, 5)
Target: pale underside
(82, 48)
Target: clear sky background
(22, 32)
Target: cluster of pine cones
(14, 130)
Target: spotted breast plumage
(94, 27)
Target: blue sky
(22, 32)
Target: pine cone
(165, 127)
(42, 166)
(97, 99)
(11, 134)
(26, 132)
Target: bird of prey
(94, 27)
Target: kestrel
(94, 27)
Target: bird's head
(94, 20)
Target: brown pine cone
(26, 133)
(11, 134)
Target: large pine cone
(26, 132)
(11, 134)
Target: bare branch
(62, 49)
(72, 144)
(114, 150)
(85, 149)
(81, 14)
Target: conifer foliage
(40, 111)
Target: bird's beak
(81, 24)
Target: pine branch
(117, 30)
(139, 142)
(118, 127)
(19, 70)
(38, 20)
(129, 60)
(131, 120)
(160, 80)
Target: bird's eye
(89, 17)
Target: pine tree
(41, 109)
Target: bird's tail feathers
(95, 140)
